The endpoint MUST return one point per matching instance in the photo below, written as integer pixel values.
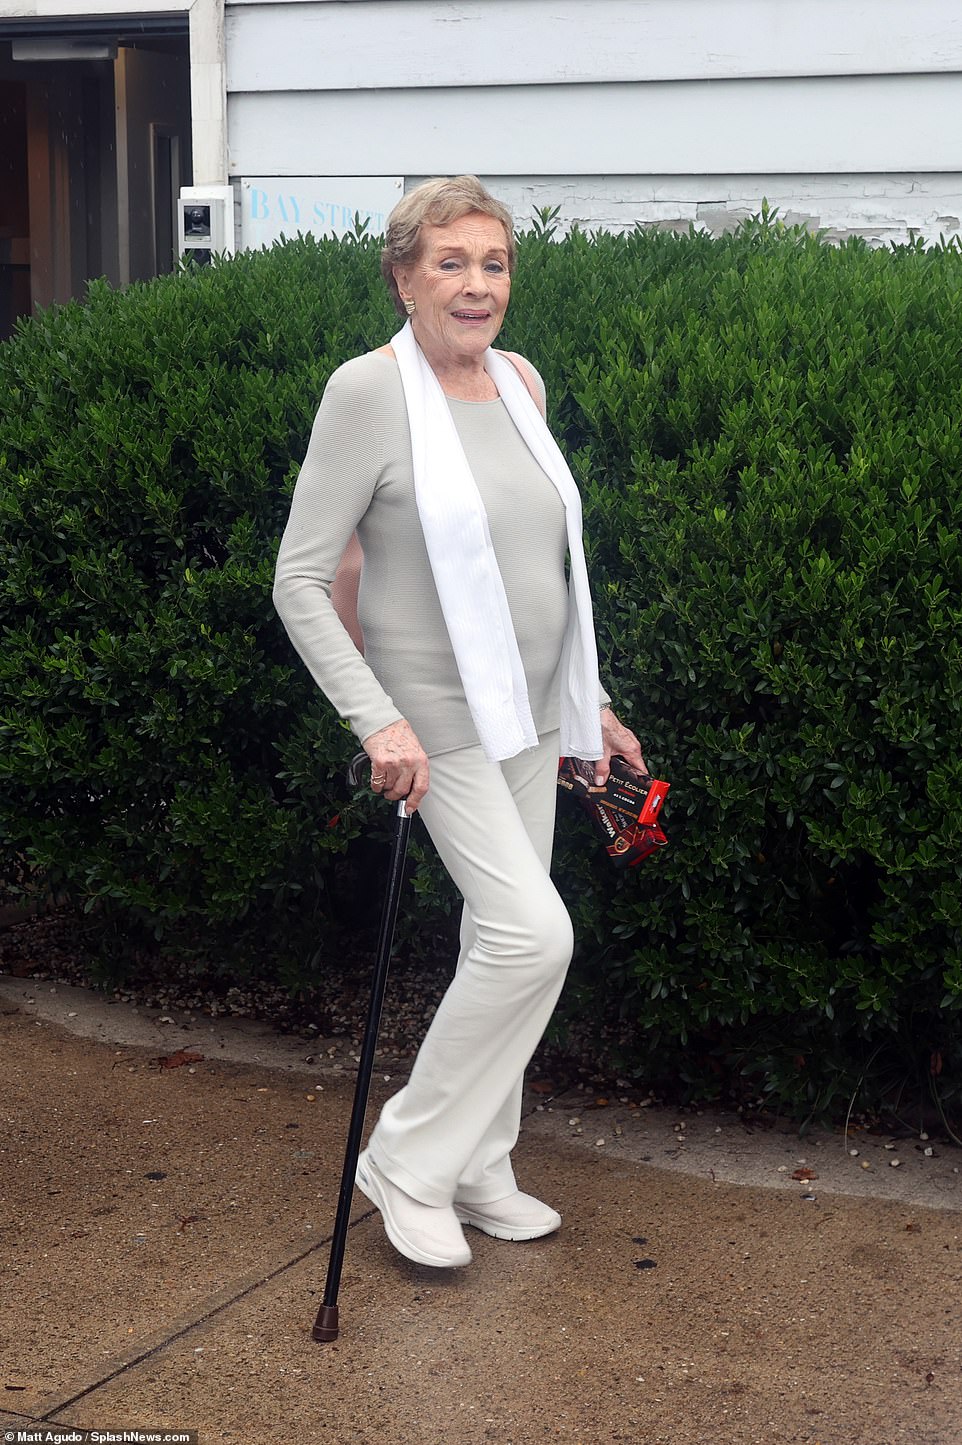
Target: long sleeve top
(358, 475)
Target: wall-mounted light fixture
(205, 222)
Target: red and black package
(624, 811)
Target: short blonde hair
(436, 203)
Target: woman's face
(460, 285)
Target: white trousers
(451, 1129)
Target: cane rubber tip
(325, 1326)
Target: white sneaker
(425, 1233)
(517, 1216)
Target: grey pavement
(165, 1237)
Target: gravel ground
(55, 948)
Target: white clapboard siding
(276, 45)
(854, 124)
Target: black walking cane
(326, 1325)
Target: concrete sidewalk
(165, 1247)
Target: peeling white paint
(883, 208)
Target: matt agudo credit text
(67, 1435)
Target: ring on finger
(378, 780)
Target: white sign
(276, 206)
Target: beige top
(358, 474)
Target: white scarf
(466, 572)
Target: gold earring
(409, 306)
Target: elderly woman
(479, 667)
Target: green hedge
(164, 760)
(768, 433)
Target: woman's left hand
(617, 739)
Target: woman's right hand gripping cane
(399, 764)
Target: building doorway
(95, 141)
(14, 205)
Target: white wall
(827, 124)
(846, 114)
(405, 44)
